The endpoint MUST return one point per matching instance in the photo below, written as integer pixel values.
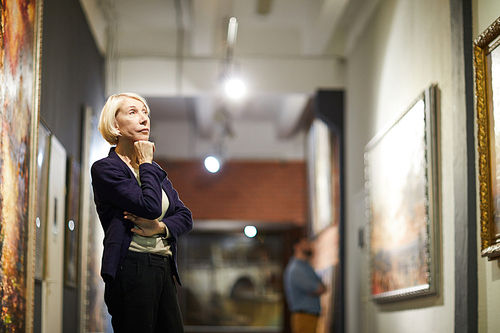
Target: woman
(142, 217)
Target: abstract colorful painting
(19, 59)
(402, 185)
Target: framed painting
(402, 195)
(96, 318)
(44, 138)
(323, 165)
(487, 72)
(85, 213)
(19, 97)
(72, 223)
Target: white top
(156, 244)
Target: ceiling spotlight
(250, 231)
(212, 164)
(234, 88)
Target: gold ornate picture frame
(487, 89)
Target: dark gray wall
(72, 77)
(72, 71)
(464, 168)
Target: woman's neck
(127, 154)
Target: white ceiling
(174, 52)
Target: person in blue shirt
(303, 288)
(142, 218)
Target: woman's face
(132, 120)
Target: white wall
(404, 49)
(252, 140)
(156, 76)
(485, 12)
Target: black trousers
(143, 298)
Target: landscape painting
(402, 188)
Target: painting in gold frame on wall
(19, 97)
(487, 72)
(402, 186)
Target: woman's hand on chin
(144, 151)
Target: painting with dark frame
(19, 70)
(402, 186)
(487, 69)
(72, 223)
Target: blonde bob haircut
(108, 114)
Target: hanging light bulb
(234, 88)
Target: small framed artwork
(44, 139)
(487, 72)
(323, 165)
(403, 203)
(72, 223)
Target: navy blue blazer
(116, 190)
